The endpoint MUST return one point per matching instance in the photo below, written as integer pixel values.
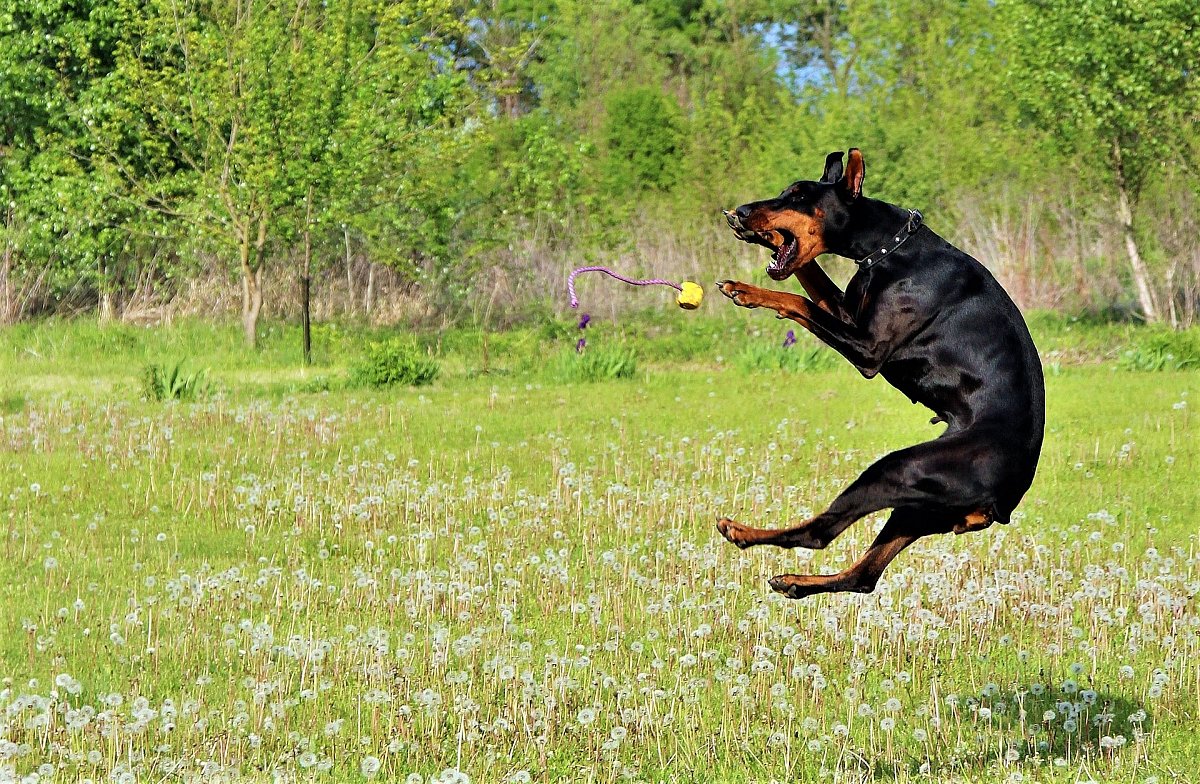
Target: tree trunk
(252, 296)
(107, 311)
(349, 272)
(1191, 294)
(306, 282)
(7, 316)
(6, 309)
(369, 297)
(305, 320)
(1141, 279)
(1172, 311)
(251, 304)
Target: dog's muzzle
(735, 223)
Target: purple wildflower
(790, 340)
(583, 321)
(579, 345)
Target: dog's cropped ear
(833, 167)
(856, 170)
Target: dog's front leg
(823, 292)
(792, 306)
(845, 338)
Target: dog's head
(796, 224)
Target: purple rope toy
(689, 298)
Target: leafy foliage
(1100, 73)
(250, 125)
(1115, 83)
(759, 357)
(644, 135)
(462, 144)
(599, 363)
(397, 361)
(1163, 350)
(174, 382)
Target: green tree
(1116, 83)
(275, 116)
(915, 83)
(64, 214)
(504, 40)
(643, 133)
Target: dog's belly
(939, 388)
(1010, 403)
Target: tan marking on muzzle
(807, 229)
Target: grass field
(506, 577)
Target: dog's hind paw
(735, 533)
(799, 586)
(790, 585)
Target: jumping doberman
(937, 326)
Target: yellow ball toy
(690, 295)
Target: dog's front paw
(742, 294)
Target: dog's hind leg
(877, 488)
(935, 474)
(802, 535)
(901, 530)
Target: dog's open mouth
(783, 255)
(782, 243)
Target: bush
(759, 357)
(1163, 350)
(317, 384)
(11, 403)
(160, 383)
(392, 362)
(596, 364)
(643, 129)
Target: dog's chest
(864, 290)
(856, 294)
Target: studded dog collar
(910, 228)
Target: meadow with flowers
(507, 577)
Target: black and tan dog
(933, 322)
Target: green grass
(80, 359)
(505, 573)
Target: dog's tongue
(781, 252)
